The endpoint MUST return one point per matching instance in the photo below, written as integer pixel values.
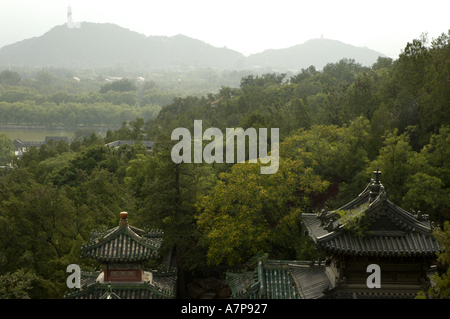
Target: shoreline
(58, 127)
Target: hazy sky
(247, 26)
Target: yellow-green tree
(248, 212)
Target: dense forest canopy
(336, 126)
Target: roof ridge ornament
(123, 219)
(375, 186)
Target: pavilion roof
(391, 231)
(270, 280)
(162, 286)
(123, 243)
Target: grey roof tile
(309, 281)
(411, 237)
(123, 244)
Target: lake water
(35, 135)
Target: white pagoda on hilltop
(70, 23)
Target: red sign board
(123, 275)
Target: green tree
(38, 230)
(137, 133)
(167, 193)
(380, 123)
(5, 112)
(427, 194)
(332, 112)
(382, 63)
(435, 103)
(123, 85)
(8, 77)
(247, 212)
(44, 77)
(6, 149)
(394, 160)
(344, 70)
(302, 113)
(441, 288)
(430, 178)
(17, 285)
(71, 121)
(104, 197)
(410, 70)
(360, 98)
(128, 98)
(304, 74)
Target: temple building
(369, 230)
(122, 251)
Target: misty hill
(106, 45)
(109, 45)
(317, 52)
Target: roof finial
(377, 176)
(375, 186)
(123, 219)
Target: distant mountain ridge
(109, 45)
(106, 45)
(317, 52)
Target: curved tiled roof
(123, 244)
(409, 245)
(392, 230)
(271, 279)
(309, 281)
(122, 291)
(163, 286)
